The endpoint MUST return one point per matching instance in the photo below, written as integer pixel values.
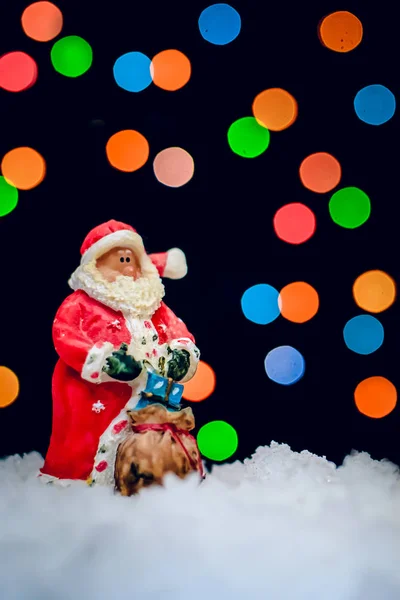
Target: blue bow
(161, 390)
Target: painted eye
(128, 259)
(122, 259)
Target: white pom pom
(176, 266)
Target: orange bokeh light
(127, 150)
(9, 387)
(298, 302)
(375, 397)
(374, 291)
(275, 109)
(24, 168)
(42, 21)
(320, 172)
(170, 70)
(340, 31)
(202, 385)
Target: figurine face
(119, 261)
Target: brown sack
(144, 457)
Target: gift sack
(159, 443)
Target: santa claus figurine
(108, 333)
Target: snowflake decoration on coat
(98, 406)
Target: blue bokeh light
(375, 104)
(260, 304)
(132, 71)
(220, 24)
(363, 334)
(285, 365)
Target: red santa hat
(114, 234)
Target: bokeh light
(170, 70)
(24, 168)
(341, 31)
(350, 207)
(375, 104)
(217, 440)
(260, 304)
(320, 172)
(132, 71)
(375, 397)
(294, 223)
(42, 21)
(374, 291)
(18, 72)
(363, 334)
(275, 109)
(127, 150)
(202, 385)
(247, 138)
(298, 302)
(9, 387)
(220, 24)
(71, 56)
(284, 365)
(173, 167)
(8, 197)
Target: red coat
(89, 418)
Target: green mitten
(178, 365)
(122, 366)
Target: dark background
(222, 218)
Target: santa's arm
(179, 338)
(75, 342)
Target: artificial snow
(281, 525)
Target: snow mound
(280, 526)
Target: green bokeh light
(217, 440)
(71, 56)
(8, 197)
(350, 207)
(247, 138)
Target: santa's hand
(122, 366)
(178, 365)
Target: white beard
(139, 299)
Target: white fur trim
(143, 344)
(124, 238)
(95, 362)
(187, 344)
(47, 479)
(110, 440)
(176, 266)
